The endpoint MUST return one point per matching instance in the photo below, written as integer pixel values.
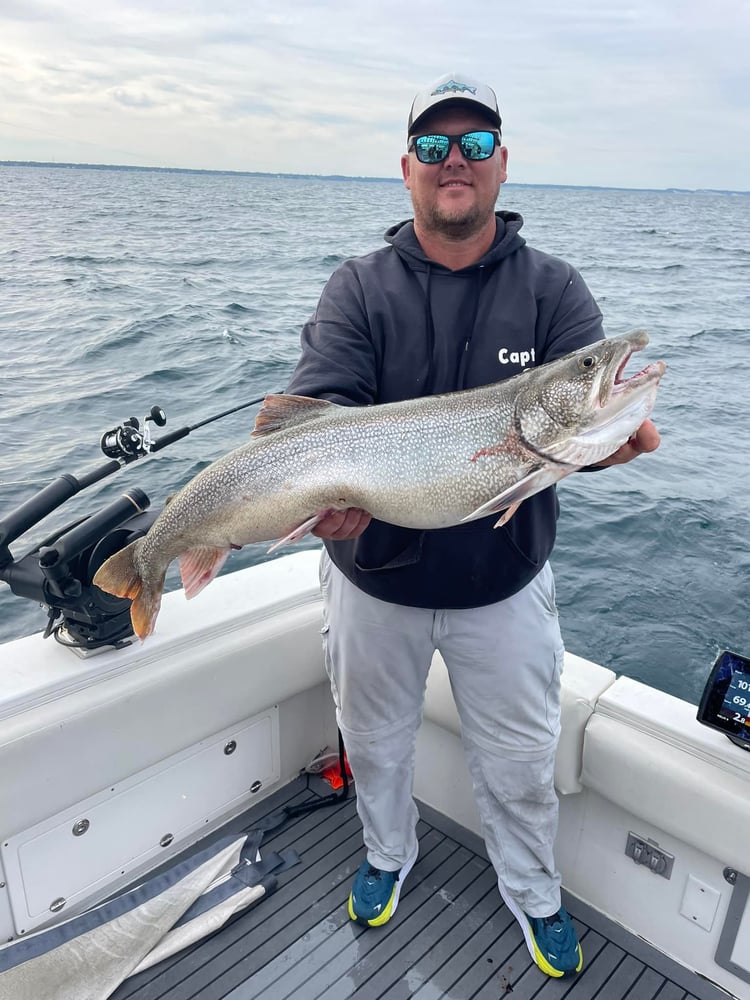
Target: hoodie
(395, 325)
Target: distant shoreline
(340, 177)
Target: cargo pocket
(325, 584)
(552, 694)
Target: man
(456, 300)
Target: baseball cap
(450, 90)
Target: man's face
(456, 197)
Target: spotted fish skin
(421, 463)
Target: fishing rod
(58, 572)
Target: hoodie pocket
(385, 546)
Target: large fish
(420, 463)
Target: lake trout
(421, 463)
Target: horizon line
(342, 177)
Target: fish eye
(588, 362)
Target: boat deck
(452, 936)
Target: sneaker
(553, 944)
(374, 896)
(552, 941)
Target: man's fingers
(341, 525)
(645, 439)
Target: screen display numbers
(737, 699)
(725, 704)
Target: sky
(646, 94)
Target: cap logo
(451, 87)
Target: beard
(457, 223)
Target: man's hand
(645, 439)
(341, 525)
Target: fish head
(579, 409)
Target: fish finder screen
(737, 700)
(725, 704)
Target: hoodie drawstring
(464, 359)
(430, 333)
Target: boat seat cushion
(645, 751)
(582, 684)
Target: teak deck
(451, 937)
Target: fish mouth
(608, 409)
(615, 390)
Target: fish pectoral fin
(280, 411)
(507, 515)
(199, 566)
(301, 530)
(535, 482)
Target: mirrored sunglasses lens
(478, 145)
(432, 148)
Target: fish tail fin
(120, 575)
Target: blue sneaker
(374, 896)
(553, 944)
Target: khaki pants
(504, 663)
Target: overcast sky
(651, 93)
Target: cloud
(638, 94)
(129, 99)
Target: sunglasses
(474, 145)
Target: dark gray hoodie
(395, 325)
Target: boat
(134, 765)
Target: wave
(711, 333)
(68, 258)
(236, 307)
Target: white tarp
(88, 956)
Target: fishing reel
(59, 572)
(127, 441)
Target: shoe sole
(531, 944)
(390, 909)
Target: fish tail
(120, 575)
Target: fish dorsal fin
(280, 411)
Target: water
(124, 289)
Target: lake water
(124, 289)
